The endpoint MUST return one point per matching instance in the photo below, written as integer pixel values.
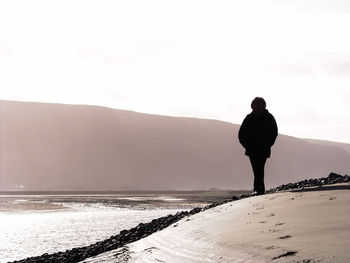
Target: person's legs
(258, 165)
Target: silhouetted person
(257, 134)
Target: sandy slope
(311, 225)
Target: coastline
(144, 230)
(309, 225)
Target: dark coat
(258, 133)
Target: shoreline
(143, 230)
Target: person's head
(258, 105)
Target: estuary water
(34, 224)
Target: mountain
(344, 146)
(77, 147)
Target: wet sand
(50, 201)
(29, 206)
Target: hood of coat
(264, 112)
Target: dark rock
(195, 210)
(123, 232)
(334, 176)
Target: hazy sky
(185, 58)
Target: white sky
(185, 58)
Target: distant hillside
(57, 146)
(344, 146)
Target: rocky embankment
(143, 230)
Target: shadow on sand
(324, 188)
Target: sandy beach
(306, 225)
